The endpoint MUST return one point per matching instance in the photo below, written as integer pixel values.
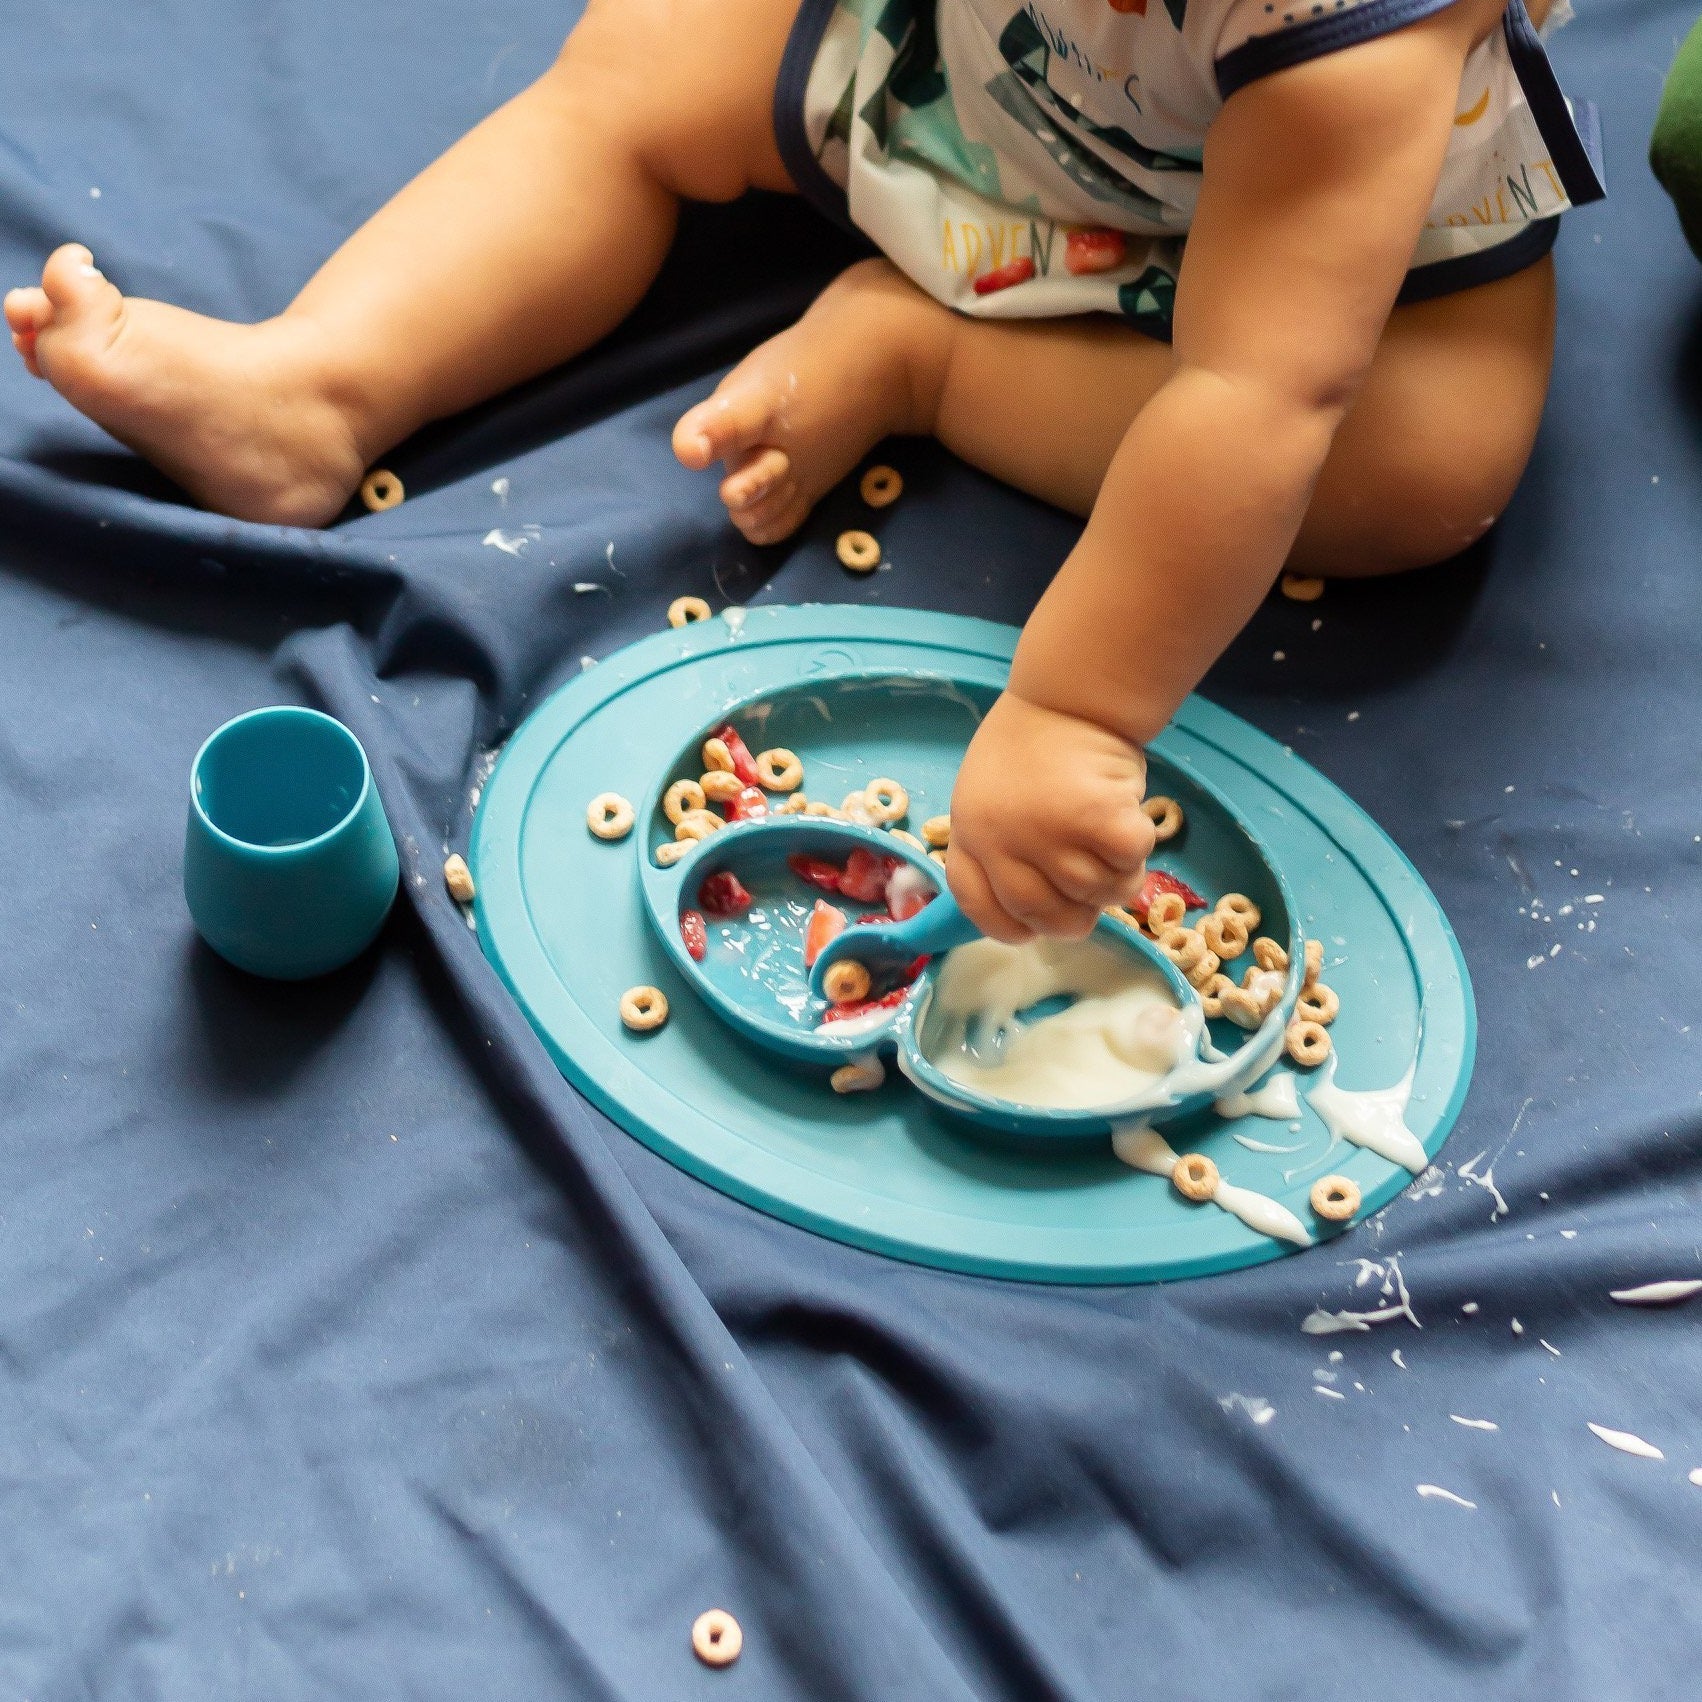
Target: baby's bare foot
(796, 415)
(231, 412)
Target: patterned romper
(1030, 160)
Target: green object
(1675, 147)
(866, 692)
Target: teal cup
(289, 866)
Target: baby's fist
(1047, 827)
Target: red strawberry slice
(723, 894)
(1089, 251)
(695, 932)
(748, 805)
(1003, 277)
(827, 921)
(744, 764)
(816, 870)
(1138, 7)
(843, 1013)
(1156, 884)
(907, 891)
(865, 877)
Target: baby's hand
(1047, 827)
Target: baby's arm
(1316, 184)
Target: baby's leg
(1424, 462)
(532, 237)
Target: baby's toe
(734, 419)
(76, 290)
(778, 515)
(761, 473)
(27, 311)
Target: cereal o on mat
(684, 610)
(381, 489)
(609, 816)
(859, 551)
(716, 1638)
(1195, 1176)
(1335, 1198)
(458, 878)
(644, 1008)
(880, 487)
(1301, 588)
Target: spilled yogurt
(1122, 1035)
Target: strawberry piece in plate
(843, 1013)
(695, 932)
(865, 876)
(816, 870)
(1156, 884)
(744, 764)
(723, 894)
(749, 805)
(907, 891)
(827, 921)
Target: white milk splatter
(1256, 1407)
(1322, 1323)
(1278, 1099)
(1475, 1423)
(1435, 1492)
(1468, 1172)
(1373, 1118)
(1626, 1443)
(512, 543)
(1145, 1149)
(1656, 1293)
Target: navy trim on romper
(1260, 55)
(790, 136)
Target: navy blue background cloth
(345, 1353)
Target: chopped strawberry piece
(816, 870)
(1002, 277)
(723, 894)
(748, 805)
(1156, 884)
(907, 891)
(695, 932)
(865, 877)
(843, 1013)
(912, 970)
(744, 764)
(827, 921)
(1088, 251)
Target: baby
(1250, 284)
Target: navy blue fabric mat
(344, 1352)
